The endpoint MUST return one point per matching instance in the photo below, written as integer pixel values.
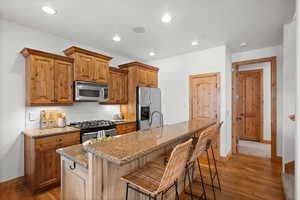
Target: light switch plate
(32, 116)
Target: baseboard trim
(227, 157)
(265, 141)
(289, 167)
(13, 181)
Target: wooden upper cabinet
(139, 75)
(142, 77)
(89, 66)
(100, 73)
(117, 86)
(63, 82)
(40, 78)
(49, 78)
(152, 78)
(83, 67)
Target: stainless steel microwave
(90, 91)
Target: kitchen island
(93, 171)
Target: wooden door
(204, 96)
(100, 71)
(84, 67)
(40, 78)
(250, 104)
(63, 82)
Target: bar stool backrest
(176, 165)
(200, 146)
(214, 133)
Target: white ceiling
(211, 22)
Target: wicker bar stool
(199, 148)
(213, 133)
(154, 179)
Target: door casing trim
(235, 66)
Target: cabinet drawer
(126, 128)
(59, 139)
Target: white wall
(13, 38)
(266, 67)
(289, 91)
(173, 80)
(263, 53)
(297, 148)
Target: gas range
(95, 129)
(93, 124)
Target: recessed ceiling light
(49, 10)
(166, 18)
(117, 38)
(194, 43)
(244, 44)
(151, 53)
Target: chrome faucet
(161, 118)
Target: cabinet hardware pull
(73, 167)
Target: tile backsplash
(80, 111)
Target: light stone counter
(36, 133)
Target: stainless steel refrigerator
(148, 105)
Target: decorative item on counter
(118, 116)
(95, 140)
(52, 119)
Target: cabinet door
(40, 79)
(48, 166)
(124, 89)
(143, 77)
(112, 87)
(100, 71)
(84, 67)
(152, 79)
(63, 82)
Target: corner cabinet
(117, 86)
(89, 66)
(49, 78)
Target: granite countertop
(75, 153)
(125, 148)
(37, 133)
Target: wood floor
(242, 177)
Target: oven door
(87, 136)
(85, 91)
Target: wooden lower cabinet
(74, 184)
(42, 163)
(126, 128)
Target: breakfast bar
(93, 171)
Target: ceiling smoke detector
(139, 29)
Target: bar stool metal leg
(217, 173)
(211, 176)
(190, 183)
(202, 181)
(126, 191)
